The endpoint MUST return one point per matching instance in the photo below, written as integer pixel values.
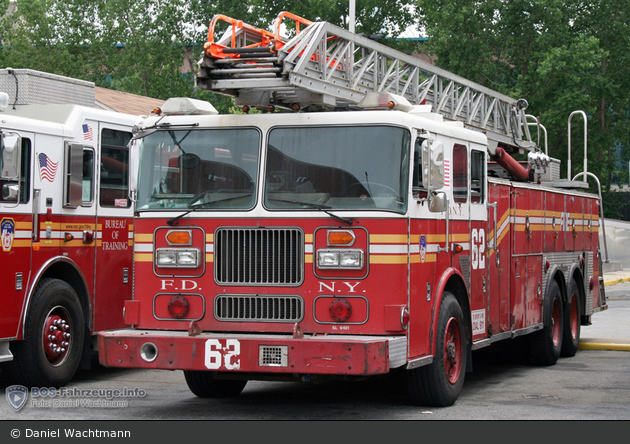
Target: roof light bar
(376, 101)
(187, 107)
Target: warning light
(178, 306)
(340, 309)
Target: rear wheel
(52, 341)
(546, 343)
(440, 383)
(204, 385)
(571, 327)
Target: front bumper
(252, 353)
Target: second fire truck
(67, 224)
(393, 229)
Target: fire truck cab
(66, 221)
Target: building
(123, 102)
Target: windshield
(360, 167)
(214, 169)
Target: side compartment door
(499, 240)
(17, 227)
(527, 256)
(115, 228)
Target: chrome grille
(251, 256)
(258, 308)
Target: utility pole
(351, 18)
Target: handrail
(601, 206)
(539, 127)
(290, 15)
(213, 49)
(585, 143)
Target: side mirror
(10, 156)
(134, 166)
(10, 191)
(438, 202)
(73, 177)
(432, 164)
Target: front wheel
(52, 342)
(205, 385)
(440, 383)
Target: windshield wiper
(195, 207)
(175, 220)
(323, 208)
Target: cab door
(78, 214)
(114, 251)
(479, 285)
(17, 225)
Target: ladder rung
(251, 75)
(265, 61)
(245, 71)
(256, 49)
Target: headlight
(348, 259)
(351, 259)
(170, 257)
(187, 258)
(166, 258)
(328, 259)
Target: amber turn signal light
(340, 237)
(179, 237)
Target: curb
(616, 281)
(603, 345)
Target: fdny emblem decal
(423, 248)
(7, 226)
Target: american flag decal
(47, 168)
(87, 132)
(447, 172)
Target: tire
(546, 344)
(440, 383)
(572, 319)
(55, 317)
(204, 385)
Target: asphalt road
(593, 385)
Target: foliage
(561, 56)
(150, 47)
(387, 17)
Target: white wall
(617, 243)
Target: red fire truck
(386, 225)
(66, 223)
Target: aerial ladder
(325, 67)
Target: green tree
(560, 55)
(150, 47)
(387, 17)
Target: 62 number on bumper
(217, 354)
